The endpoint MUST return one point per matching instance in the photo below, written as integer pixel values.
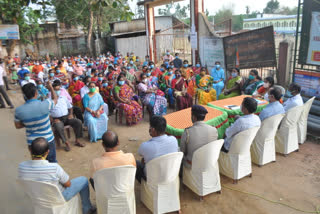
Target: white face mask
(266, 85)
(145, 81)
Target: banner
(309, 82)
(314, 42)
(211, 51)
(9, 32)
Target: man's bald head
(110, 139)
(39, 147)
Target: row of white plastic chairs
(114, 187)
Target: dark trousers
(6, 81)
(76, 125)
(223, 149)
(78, 113)
(4, 94)
(140, 171)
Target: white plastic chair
(160, 193)
(203, 178)
(47, 199)
(303, 121)
(287, 135)
(236, 164)
(114, 189)
(263, 148)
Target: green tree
(247, 10)
(272, 6)
(225, 13)
(19, 12)
(92, 15)
(179, 12)
(288, 10)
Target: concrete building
(171, 34)
(282, 24)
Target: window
(252, 25)
(259, 25)
(270, 23)
(285, 24)
(277, 24)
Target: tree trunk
(89, 45)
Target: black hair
(295, 87)
(142, 74)
(122, 74)
(237, 69)
(276, 92)
(110, 139)
(56, 83)
(250, 104)
(118, 79)
(185, 61)
(270, 80)
(200, 117)
(256, 74)
(29, 90)
(92, 83)
(159, 123)
(85, 80)
(177, 54)
(39, 146)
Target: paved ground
(294, 180)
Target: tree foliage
(272, 6)
(179, 12)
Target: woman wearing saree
(205, 92)
(94, 116)
(232, 88)
(179, 84)
(152, 97)
(252, 83)
(124, 100)
(74, 91)
(169, 90)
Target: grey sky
(239, 6)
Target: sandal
(80, 144)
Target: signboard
(309, 7)
(313, 57)
(251, 49)
(9, 32)
(193, 40)
(211, 50)
(309, 82)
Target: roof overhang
(131, 34)
(156, 3)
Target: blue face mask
(58, 93)
(51, 74)
(27, 78)
(40, 86)
(131, 62)
(121, 82)
(168, 53)
(170, 72)
(100, 78)
(148, 74)
(234, 74)
(198, 65)
(137, 60)
(70, 64)
(166, 62)
(58, 71)
(97, 63)
(172, 66)
(185, 65)
(218, 66)
(161, 69)
(251, 77)
(289, 94)
(177, 57)
(128, 67)
(76, 79)
(105, 84)
(151, 66)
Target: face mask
(36, 63)
(128, 67)
(97, 63)
(92, 90)
(148, 74)
(170, 72)
(172, 66)
(267, 98)
(58, 92)
(145, 81)
(161, 69)
(151, 66)
(51, 74)
(48, 65)
(266, 85)
(185, 65)
(137, 60)
(70, 64)
(100, 78)
(166, 62)
(40, 86)
(178, 75)
(168, 53)
(251, 77)
(58, 71)
(289, 94)
(76, 79)
(27, 78)
(234, 74)
(121, 82)
(131, 62)
(96, 74)
(105, 85)
(177, 57)
(217, 66)
(198, 65)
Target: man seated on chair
(112, 157)
(62, 115)
(295, 98)
(274, 107)
(39, 169)
(160, 144)
(247, 121)
(197, 135)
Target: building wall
(138, 45)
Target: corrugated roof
(271, 18)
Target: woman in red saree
(74, 91)
(124, 100)
(179, 84)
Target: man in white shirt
(27, 80)
(295, 98)
(249, 120)
(3, 92)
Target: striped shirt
(43, 171)
(34, 115)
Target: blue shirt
(293, 102)
(34, 115)
(217, 74)
(243, 123)
(271, 109)
(158, 146)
